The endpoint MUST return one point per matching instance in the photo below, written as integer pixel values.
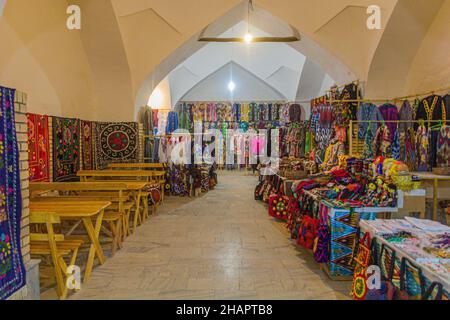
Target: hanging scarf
(368, 152)
(396, 146)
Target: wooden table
(143, 174)
(428, 176)
(134, 186)
(79, 211)
(161, 166)
(146, 175)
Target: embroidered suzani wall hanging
(116, 142)
(38, 148)
(12, 271)
(87, 145)
(66, 149)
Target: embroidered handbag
(411, 282)
(278, 206)
(308, 232)
(359, 286)
(322, 243)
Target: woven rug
(87, 145)
(116, 143)
(12, 271)
(38, 148)
(66, 149)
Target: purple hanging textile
(12, 271)
(390, 113)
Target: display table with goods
(323, 211)
(413, 256)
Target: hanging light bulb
(231, 86)
(248, 37)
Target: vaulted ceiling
(126, 47)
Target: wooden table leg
(435, 199)
(138, 210)
(96, 248)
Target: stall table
(428, 176)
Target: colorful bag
(359, 286)
(411, 282)
(308, 232)
(278, 205)
(322, 242)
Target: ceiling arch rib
(267, 24)
(399, 45)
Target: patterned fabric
(390, 113)
(12, 271)
(443, 151)
(422, 144)
(368, 112)
(116, 143)
(396, 146)
(368, 152)
(87, 145)
(320, 249)
(66, 149)
(38, 148)
(406, 114)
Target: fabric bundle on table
(38, 148)
(66, 149)
(12, 270)
(116, 143)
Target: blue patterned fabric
(396, 146)
(12, 271)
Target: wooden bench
(79, 212)
(54, 245)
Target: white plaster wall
(248, 87)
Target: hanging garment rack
(232, 102)
(357, 143)
(399, 99)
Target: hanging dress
(422, 146)
(443, 147)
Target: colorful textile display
(38, 148)
(12, 271)
(116, 142)
(87, 145)
(66, 149)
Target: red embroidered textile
(38, 148)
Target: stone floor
(222, 245)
